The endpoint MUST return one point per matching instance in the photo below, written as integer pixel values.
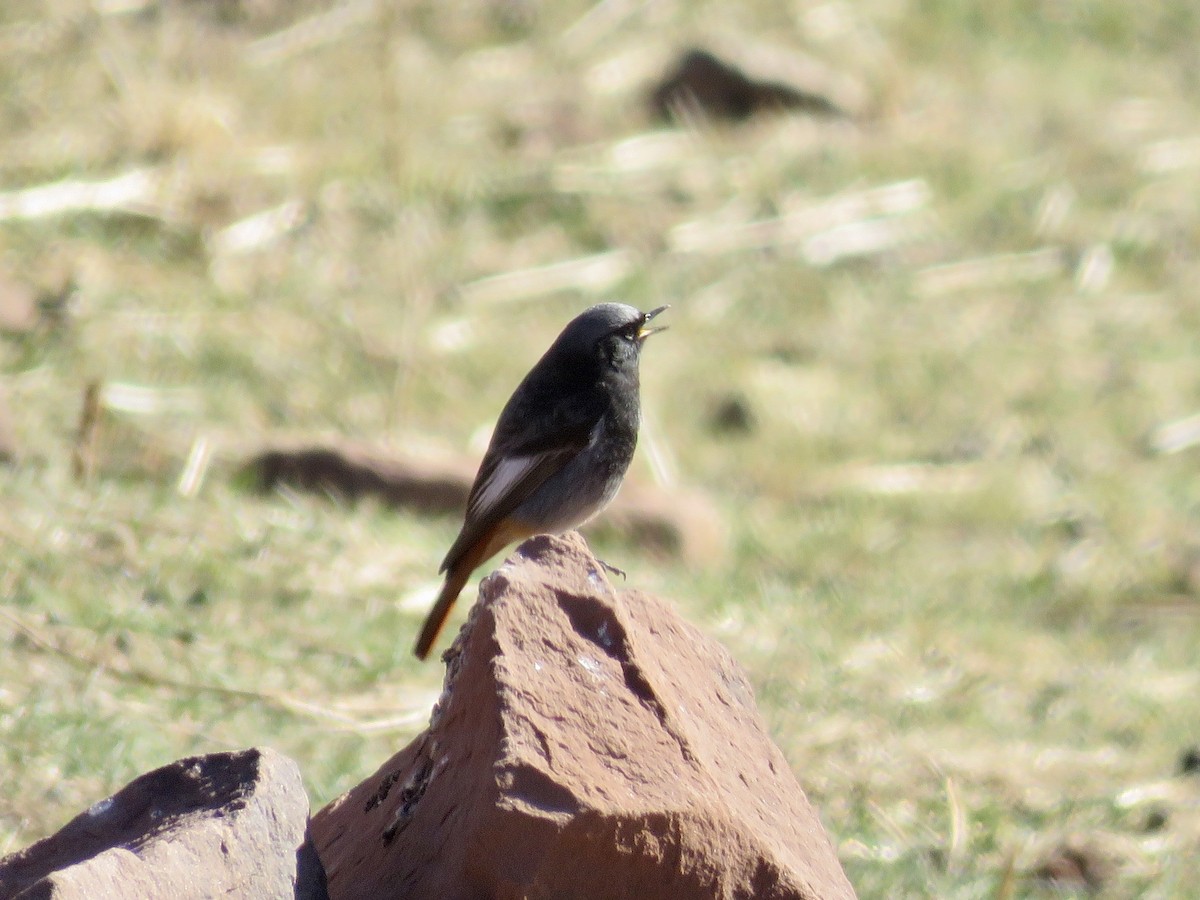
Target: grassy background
(962, 571)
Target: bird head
(612, 331)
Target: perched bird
(560, 448)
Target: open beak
(646, 330)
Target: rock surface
(701, 82)
(429, 485)
(589, 743)
(227, 824)
(675, 524)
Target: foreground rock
(590, 744)
(225, 825)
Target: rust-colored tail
(434, 622)
(457, 574)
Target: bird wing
(499, 489)
(529, 444)
(511, 479)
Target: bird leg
(612, 570)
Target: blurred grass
(960, 574)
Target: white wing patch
(507, 473)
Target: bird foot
(612, 570)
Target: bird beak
(646, 331)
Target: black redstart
(560, 449)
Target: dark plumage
(560, 448)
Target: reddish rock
(676, 524)
(702, 82)
(227, 825)
(589, 744)
(430, 485)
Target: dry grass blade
(1172, 155)
(990, 272)
(1007, 883)
(1177, 436)
(308, 34)
(146, 400)
(588, 274)
(83, 451)
(897, 479)
(856, 223)
(196, 467)
(857, 239)
(258, 231)
(645, 161)
(957, 846)
(138, 192)
(599, 22)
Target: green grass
(963, 580)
